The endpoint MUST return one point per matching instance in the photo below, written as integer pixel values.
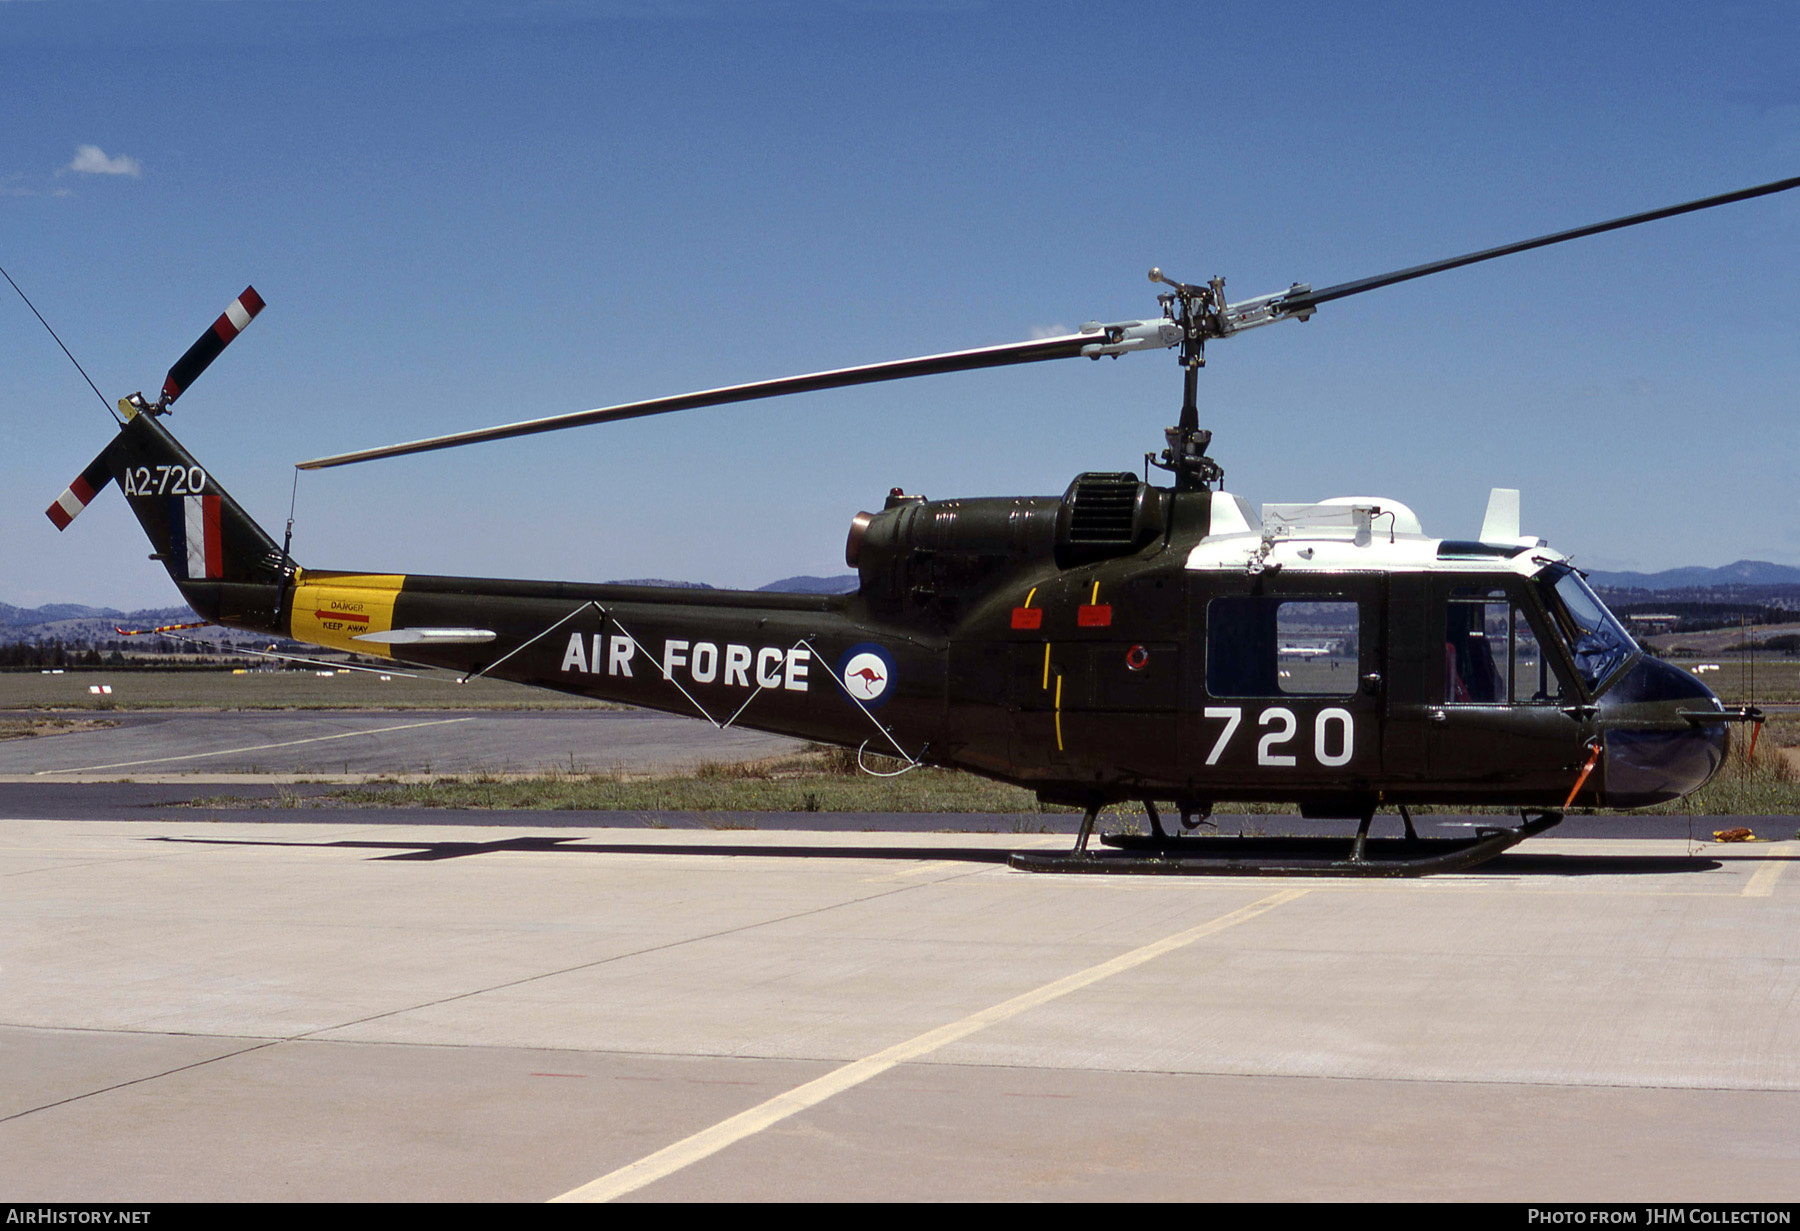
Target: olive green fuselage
(1087, 647)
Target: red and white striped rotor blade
(79, 494)
(231, 322)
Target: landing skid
(1245, 856)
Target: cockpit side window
(1535, 678)
(1492, 655)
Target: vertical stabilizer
(228, 568)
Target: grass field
(1713, 640)
(827, 780)
(1738, 679)
(1770, 679)
(821, 781)
(26, 728)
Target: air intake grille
(1103, 510)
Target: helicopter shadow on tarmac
(1533, 864)
(1576, 864)
(433, 851)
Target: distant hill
(74, 622)
(23, 616)
(1742, 573)
(844, 584)
(787, 585)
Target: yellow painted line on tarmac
(704, 1144)
(225, 752)
(1762, 884)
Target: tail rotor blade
(231, 322)
(79, 494)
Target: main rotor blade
(1122, 338)
(1307, 300)
(1066, 346)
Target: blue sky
(462, 214)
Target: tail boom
(800, 665)
(812, 666)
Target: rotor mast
(1196, 310)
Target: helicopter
(1126, 642)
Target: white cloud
(92, 160)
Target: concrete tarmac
(205, 1009)
(338, 1004)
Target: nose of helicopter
(1653, 753)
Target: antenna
(65, 350)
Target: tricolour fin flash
(79, 494)
(1501, 525)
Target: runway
(148, 745)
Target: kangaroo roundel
(867, 670)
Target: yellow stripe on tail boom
(336, 608)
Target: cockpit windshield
(1595, 636)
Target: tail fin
(227, 566)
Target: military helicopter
(1124, 642)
